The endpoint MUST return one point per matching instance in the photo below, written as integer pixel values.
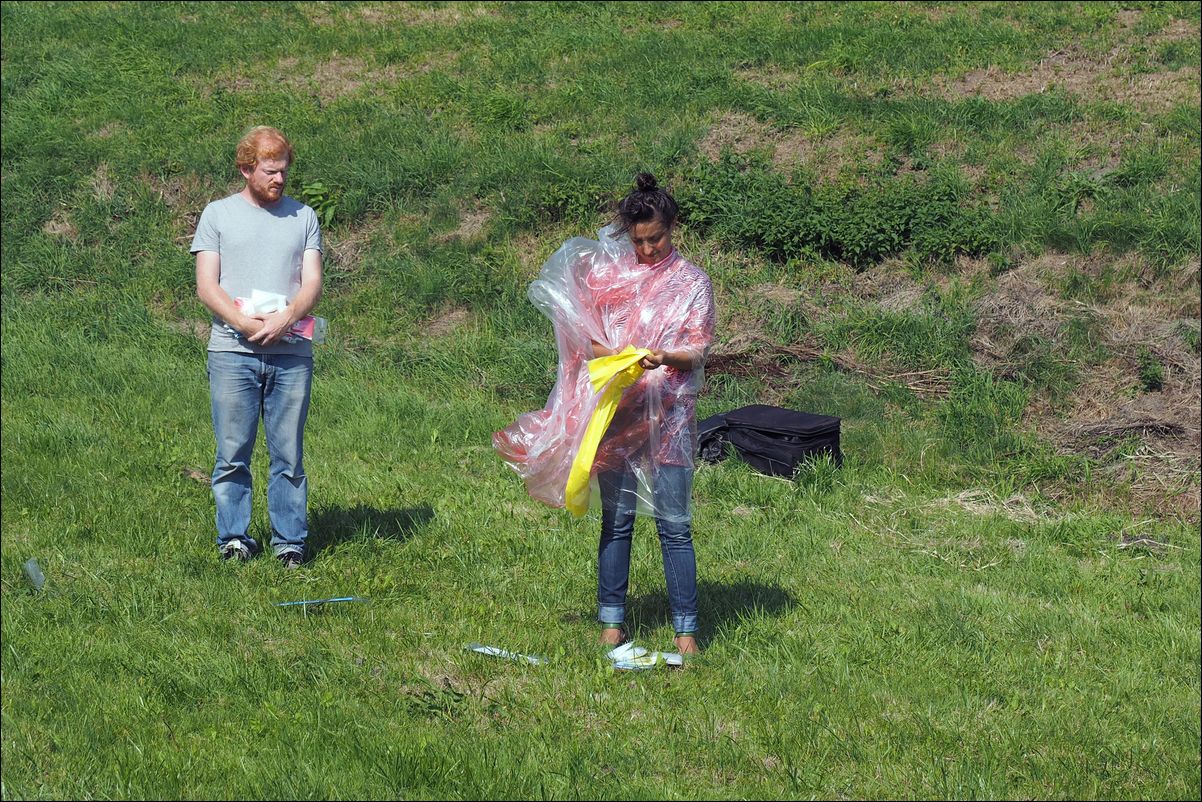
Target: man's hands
(268, 329)
(260, 329)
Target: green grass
(960, 611)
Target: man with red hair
(259, 242)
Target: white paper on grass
(493, 651)
(629, 657)
(627, 651)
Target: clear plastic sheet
(595, 291)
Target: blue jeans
(673, 487)
(242, 387)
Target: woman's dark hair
(646, 202)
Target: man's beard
(264, 196)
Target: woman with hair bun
(630, 288)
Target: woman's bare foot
(686, 644)
(613, 636)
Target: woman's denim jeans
(673, 488)
(242, 387)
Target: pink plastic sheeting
(596, 291)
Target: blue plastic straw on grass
(319, 601)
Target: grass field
(969, 230)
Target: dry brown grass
(186, 196)
(734, 130)
(1109, 410)
(335, 78)
(60, 224)
(446, 322)
(889, 286)
(1113, 76)
(752, 355)
(826, 157)
(394, 13)
(776, 294)
(102, 185)
(473, 222)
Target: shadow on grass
(333, 525)
(720, 603)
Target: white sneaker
(235, 550)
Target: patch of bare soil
(770, 77)
(826, 157)
(102, 183)
(796, 148)
(1176, 31)
(472, 223)
(391, 13)
(343, 76)
(107, 131)
(409, 14)
(195, 475)
(186, 196)
(1148, 441)
(1094, 77)
(889, 286)
(446, 322)
(61, 225)
(337, 77)
(344, 250)
(196, 328)
(738, 131)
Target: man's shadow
(331, 525)
(720, 603)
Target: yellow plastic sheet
(614, 373)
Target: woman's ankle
(613, 634)
(686, 644)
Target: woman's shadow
(721, 603)
(331, 525)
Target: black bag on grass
(772, 440)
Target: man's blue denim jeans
(243, 387)
(672, 490)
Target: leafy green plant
(742, 201)
(319, 197)
(1151, 371)
(573, 201)
(1190, 335)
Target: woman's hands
(681, 360)
(653, 360)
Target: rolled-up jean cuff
(609, 614)
(685, 623)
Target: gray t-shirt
(260, 249)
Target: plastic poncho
(596, 291)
